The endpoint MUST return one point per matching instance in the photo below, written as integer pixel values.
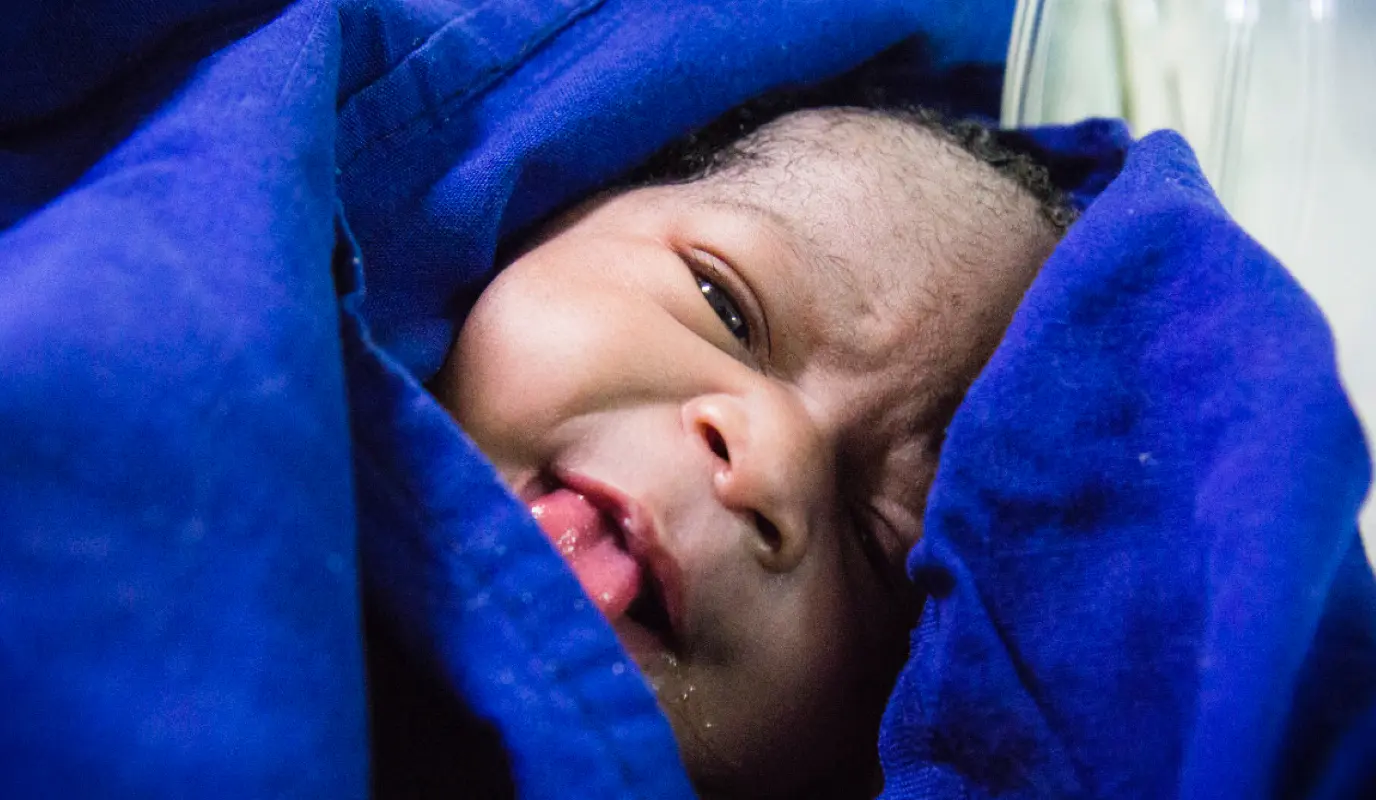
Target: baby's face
(724, 400)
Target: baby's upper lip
(641, 535)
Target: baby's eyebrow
(801, 246)
(769, 215)
(784, 231)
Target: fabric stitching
(301, 52)
(478, 84)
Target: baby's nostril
(769, 532)
(718, 444)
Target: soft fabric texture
(236, 236)
(1141, 558)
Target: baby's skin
(724, 401)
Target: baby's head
(723, 394)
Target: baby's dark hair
(717, 146)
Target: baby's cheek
(509, 351)
(486, 383)
(529, 360)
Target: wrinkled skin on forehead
(764, 360)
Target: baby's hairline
(743, 135)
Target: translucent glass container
(1278, 98)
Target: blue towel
(236, 236)
(1141, 562)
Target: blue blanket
(1141, 565)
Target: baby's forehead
(888, 158)
(882, 193)
(880, 181)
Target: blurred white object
(1276, 98)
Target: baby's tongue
(586, 539)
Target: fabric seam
(480, 83)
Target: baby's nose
(769, 463)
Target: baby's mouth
(613, 547)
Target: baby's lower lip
(639, 536)
(591, 545)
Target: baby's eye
(727, 309)
(873, 550)
(864, 523)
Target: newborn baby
(722, 393)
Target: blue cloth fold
(235, 238)
(178, 585)
(1140, 553)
